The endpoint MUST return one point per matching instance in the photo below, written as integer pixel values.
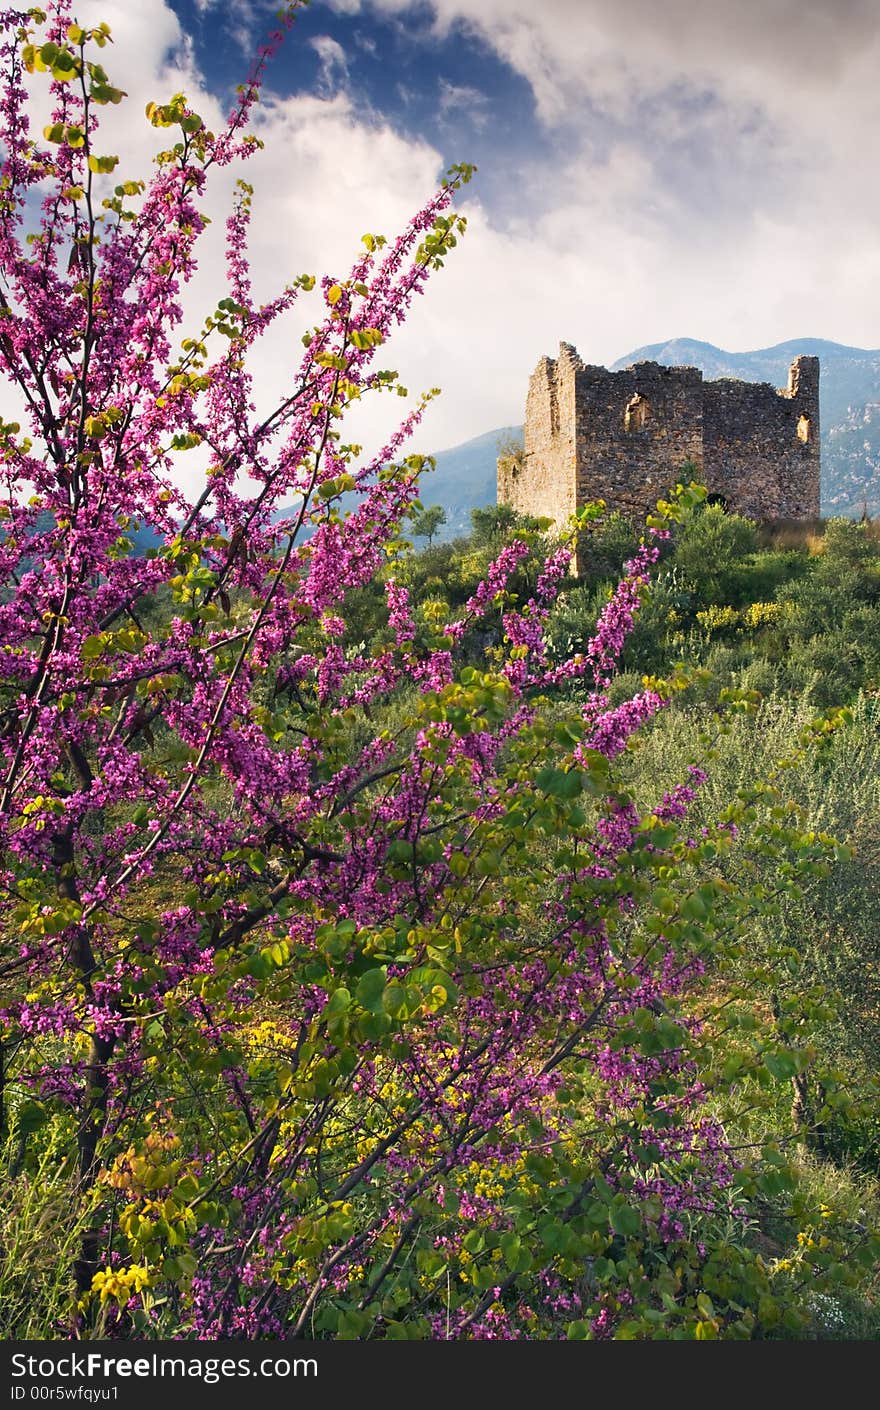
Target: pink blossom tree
(357, 992)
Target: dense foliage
(792, 609)
(349, 987)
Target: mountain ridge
(810, 347)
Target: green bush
(604, 547)
(39, 1237)
(828, 928)
(713, 552)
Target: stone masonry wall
(544, 484)
(761, 446)
(626, 437)
(636, 429)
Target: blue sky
(646, 170)
(450, 88)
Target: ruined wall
(544, 483)
(626, 437)
(635, 431)
(761, 446)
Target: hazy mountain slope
(465, 478)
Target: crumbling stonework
(626, 437)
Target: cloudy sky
(647, 170)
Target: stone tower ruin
(625, 437)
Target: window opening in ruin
(636, 413)
(803, 429)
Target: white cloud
(462, 97)
(344, 7)
(325, 177)
(729, 145)
(616, 49)
(791, 83)
(334, 64)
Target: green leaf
(694, 907)
(64, 66)
(394, 999)
(338, 1002)
(437, 986)
(624, 1219)
(31, 1116)
(511, 1247)
(374, 1025)
(370, 989)
(780, 1065)
(366, 337)
(560, 783)
(328, 489)
(568, 732)
(105, 93)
